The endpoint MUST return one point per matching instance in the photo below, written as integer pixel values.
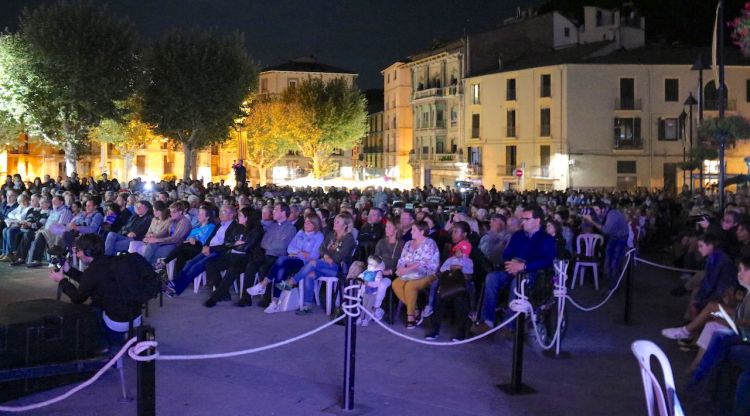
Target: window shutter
(662, 133)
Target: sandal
(411, 323)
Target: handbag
(451, 283)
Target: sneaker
(473, 316)
(256, 290)
(160, 265)
(379, 313)
(427, 312)
(676, 333)
(210, 303)
(282, 286)
(168, 290)
(432, 336)
(307, 310)
(420, 319)
(18, 262)
(458, 337)
(272, 308)
(411, 325)
(480, 329)
(365, 321)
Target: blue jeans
(9, 236)
(493, 283)
(717, 351)
(739, 355)
(311, 271)
(116, 243)
(613, 260)
(157, 251)
(284, 267)
(192, 269)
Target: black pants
(261, 267)
(234, 264)
(181, 255)
(460, 312)
(40, 245)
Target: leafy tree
(337, 111)
(197, 82)
(10, 132)
(271, 128)
(65, 71)
(127, 137)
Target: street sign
(519, 172)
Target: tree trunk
(128, 161)
(188, 169)
(71, 157)
(262, 176)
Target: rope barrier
(661, 266)
(74, 390)
(611, 291)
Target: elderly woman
(416, 269)
(305, 246)
(193, 244)
(337, 247)
(167, 232)
(13, 225)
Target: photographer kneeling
(118, 298)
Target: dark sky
(362, 35)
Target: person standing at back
(613, 224)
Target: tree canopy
(66, 70)
(337, 111)
(197, 82)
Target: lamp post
(700, 65)
(690, 102)
(682, 118)
(722, 96)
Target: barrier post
(146, 376)
(350, 348)
(629, 288)
(516, 386)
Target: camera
(57, 257)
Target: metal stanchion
(350, 348)
(146, 376)
(516, 386)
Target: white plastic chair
(659, 401)
(586, 245)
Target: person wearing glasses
(529, 251)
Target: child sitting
(371, 279)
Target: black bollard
(350, 348)
(629, 288)
(146, 376)
(516, 386)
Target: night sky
(361, 35)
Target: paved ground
(394, 376)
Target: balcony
(430, 92)
(545, 130)
(506, 170)
(713, 105)
(628, 143)
(628, 104)
(474, 170)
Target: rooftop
(307, 63)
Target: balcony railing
(628, 143)
(474, 170)
(437, 92)
(627, 104)
(545, 130)
(713, 105)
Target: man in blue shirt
(614, 226)
(529, 251)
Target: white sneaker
(272, 308)
(427, 311)
(365, 321)
(676, 333)
(256, 290)
(379, 313)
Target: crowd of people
(449, 256)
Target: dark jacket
(538, 251)
(338, 250)
(721, 274)
(138, 225)
(235, 232)
(97, 282)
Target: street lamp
(700, 65)
(683, 116)
(689, 102)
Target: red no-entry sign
(519, 172)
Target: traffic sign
(519, 172)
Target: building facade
(398, 124)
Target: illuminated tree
(10, 133)
(197, 82)
(272, 127)
(337, 111)
(65, 71)
(127, 137)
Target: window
(511, 124)
(475, 126)
(292, 82)
(747, 91)
(475, 93)
(395, 74)
(627, 132)
(440, 144)
(263, 86)
(599, 18)
(439, 121)
(510, 160)
(626, 167)
(546, 86)
(627, 93)
(544, 122)
(388, 78)
(566, 32)
(671, 90)
(140, 165)
(454, 116)
(510, 89)
(669, 129)
(544, 160)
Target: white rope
(145, 345)
(435, 343)
(661, 266)
(75, 389)
(611, 291)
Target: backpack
(136, 279)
